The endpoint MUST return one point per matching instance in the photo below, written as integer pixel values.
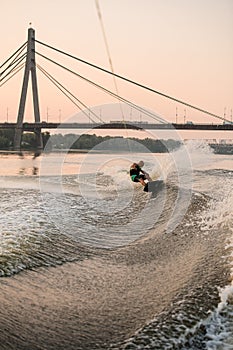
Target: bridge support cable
(14, 61)
(30, 67)
(108, 51)
(131, 104)
(67, 93)
(21, 48)
(15, 66)
(111, 66)
(135, 83)
(14, 72)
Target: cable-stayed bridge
(117, 125)
(27, 60)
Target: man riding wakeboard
(139, 175)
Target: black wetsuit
(135, 173)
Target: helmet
(141, 163)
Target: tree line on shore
(88, 142)
(28, 139)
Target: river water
(90, 261)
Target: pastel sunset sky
(182, 48)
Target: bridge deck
(137, 126)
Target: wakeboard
(154, 186)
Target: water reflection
(28, 170)
(35, 170)
(22, 171)
(21, 155)
(37, 154)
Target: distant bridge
(33, 127)
(16, 62)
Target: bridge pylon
(30, 67)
